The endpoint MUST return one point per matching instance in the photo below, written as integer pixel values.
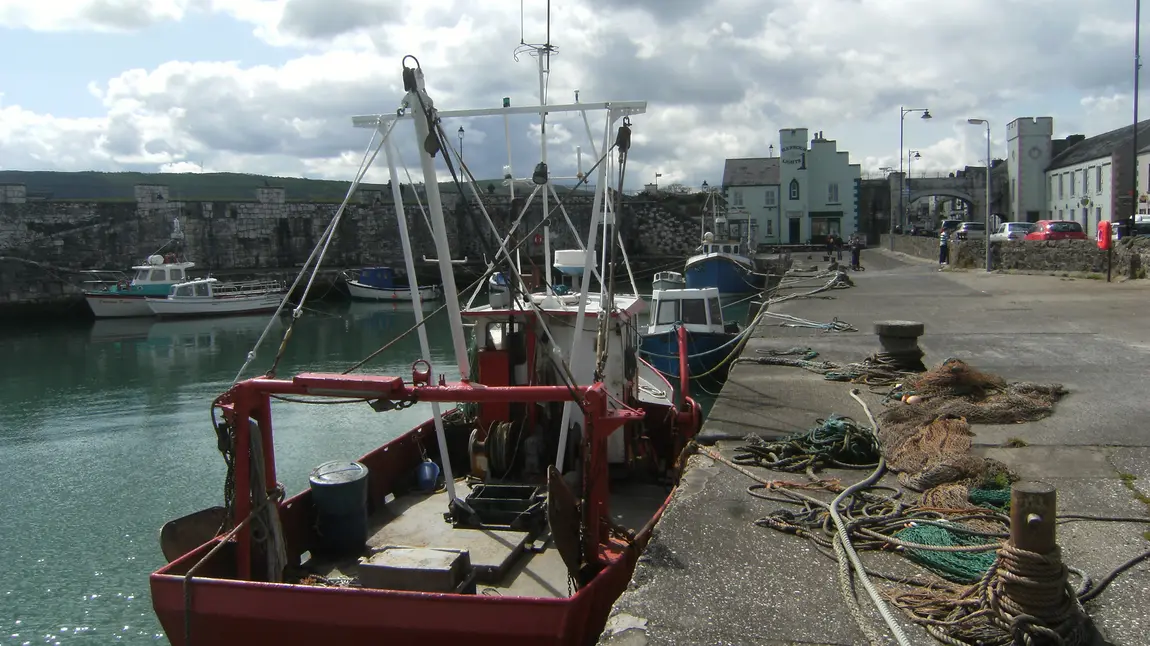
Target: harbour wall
(44, 245)
(1129, 258)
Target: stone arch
(971, 189)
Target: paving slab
(711, 576)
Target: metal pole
(421, 330)
(439, 230)
(901, 175)
(543, 154)
(987, 235)
(1137, 66)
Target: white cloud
(721, 78)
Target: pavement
(711, 576)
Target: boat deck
(507, 562)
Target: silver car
(1012, 231)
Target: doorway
(794, 230)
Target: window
(1060, 187)
(1099, 180)
(668, 312)
(832, 193)
(770, 226)
(158, 276)
(715, 310)
(1073, 176)
(176, 274)
(737, 198)
(695, 311)
(1097, 216)
(794, 189)
(186, 290)
(1013, 186)
(1050, 189)
(202, 289)
(1070, 226)
(770, 197)
(142, 274)
(1085, 182)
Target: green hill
(92, 185)
(207, 187)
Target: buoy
(914, 399)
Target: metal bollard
(900, 340)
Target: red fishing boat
(515, 517)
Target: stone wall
(921, 246)
(1129, 257)
(44, 244)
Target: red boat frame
(223, 603)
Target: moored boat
(210, 297)
(668, 280)
(515, 518)
(722, 261)
(699, 313)
(385, 284)
(114, 295)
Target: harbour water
(105, 435)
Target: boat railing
(247, 288)
(104, 279)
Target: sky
(270, 86)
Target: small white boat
(209, 297)
(668, 280)
(384, 284)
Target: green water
(105, 436)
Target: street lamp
(977, 122)
(461, 143)
(902, 112)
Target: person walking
(943, 248)
(839, 247)
(856, 252)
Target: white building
(1086, 180)
(797, 198)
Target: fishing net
(959, 567)
(926, 437)
(836, 442)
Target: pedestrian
(944, 248)
(856, 251)
(839, 247)
(830, 245)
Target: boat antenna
(542, 53)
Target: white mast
(418, 100)
(420, 329)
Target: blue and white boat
(385, 284)
(721, 261)
(700, 313)
(721, 264)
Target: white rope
(319, 250)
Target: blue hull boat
(698, 312)
(661, 350)
(724, 273)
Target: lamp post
(911, 155)
(460, 143)
(902, 112)
(976, 122)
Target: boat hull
(227, 611)
(165, 308)
(729, 276)
(360, 292)
(237, 613)
(111, 305)
(661, 350)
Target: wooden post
(1033, 507)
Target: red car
(1056, 230)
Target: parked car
(1056, 230)
(971, 231)
(1012, 231)
(949, 225)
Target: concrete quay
(711, 576)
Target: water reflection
(104, 436)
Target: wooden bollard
(1033, 508)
